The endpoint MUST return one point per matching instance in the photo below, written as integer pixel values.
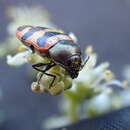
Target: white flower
(99, 104)
(72, 35)
(126, 73)
(55, 122)
(19, 59)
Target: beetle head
(74, 65)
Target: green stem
(72, 110)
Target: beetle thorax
(68, 55)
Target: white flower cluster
(96, 91)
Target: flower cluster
(96, 91)
(61, 83)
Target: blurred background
(105, 24)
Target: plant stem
(72, 110)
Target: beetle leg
(40, 77)
(48, 66)
(37, 65)
(32, 49)
(54, 77)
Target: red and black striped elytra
(40, 38)
(54, 44)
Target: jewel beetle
(57, 46)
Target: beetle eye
(69, 62)
(74, 62)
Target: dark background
(105, 24)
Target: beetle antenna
(85, 61)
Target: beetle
(56, 45)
